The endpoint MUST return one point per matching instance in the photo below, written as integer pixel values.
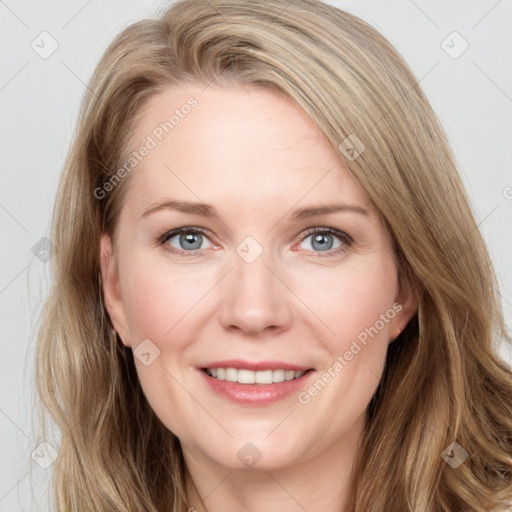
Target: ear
(406, 298)
(111, 289)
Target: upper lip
(254, 366)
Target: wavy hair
(443, 381)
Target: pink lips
(255, 394)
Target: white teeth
(278, 375)
(263, 377)
(244, 376)
(231, 375)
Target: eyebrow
(206, 210)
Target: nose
(255, 297)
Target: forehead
(245, 145)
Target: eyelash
(344, 237)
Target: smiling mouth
(244, 376)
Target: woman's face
(248, 284)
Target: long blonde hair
(443, 380)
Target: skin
(255, 157)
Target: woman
(327, 341)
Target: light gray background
(39, 99)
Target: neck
(321, 482)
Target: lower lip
(256, 394)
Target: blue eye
(322, 240)
(190, 241)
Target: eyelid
(177, 231)
(327, 229)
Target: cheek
(149, 307)
(159, 306)
(353, 299)
(358, 308)
(158, 298)
(363, 304)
